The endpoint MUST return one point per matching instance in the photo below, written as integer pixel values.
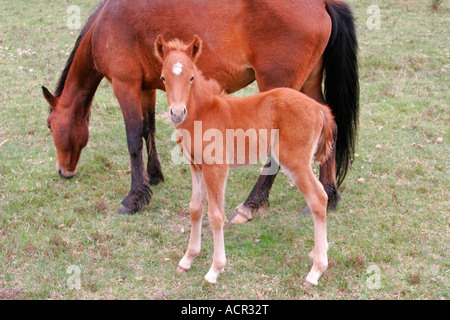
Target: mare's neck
(82, 82)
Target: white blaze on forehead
(177, 69)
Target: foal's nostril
(171, 112)
(184, 111)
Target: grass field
(389, 238)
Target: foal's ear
(51, 99)
(195, 48)
(160, 45)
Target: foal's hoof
(182, 270)
(309, 285)
(124, 210)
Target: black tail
(341, 83)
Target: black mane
(65, 72)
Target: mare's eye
(192, 79)
(163, 79)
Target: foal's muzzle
(178, 114)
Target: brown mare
(301, 130)
(278, 43)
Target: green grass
(396, 219)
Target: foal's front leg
(197, 208)
(215, 177)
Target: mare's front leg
(197, 208)
(148, 111)
(215, 177)
(129, 97)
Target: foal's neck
(204, 90)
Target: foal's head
(178, 71)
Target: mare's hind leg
(258, 200)
(197, 208)
(148, 111)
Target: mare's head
(69, 134)
(178, 71)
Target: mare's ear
(195, 48)
(160, 46)
(51, 99)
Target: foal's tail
(325, 143)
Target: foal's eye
(163, 79)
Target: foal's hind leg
(197, 208)
(313, 88)
(316, 199)
(148, 111)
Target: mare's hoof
(156, 180)
(124, 210)
(243, 213)
(239, 216)
(136, 199)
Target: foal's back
(294, 123)
(283, 108)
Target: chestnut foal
(300, 131)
